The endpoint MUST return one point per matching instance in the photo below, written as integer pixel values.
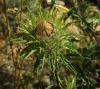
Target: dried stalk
(5, 16)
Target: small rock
(46, 81)
(98, 28)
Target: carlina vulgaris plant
(46, 39)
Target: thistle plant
(46, 39)
(49, 41)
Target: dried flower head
(44, 29)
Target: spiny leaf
(27, 51)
